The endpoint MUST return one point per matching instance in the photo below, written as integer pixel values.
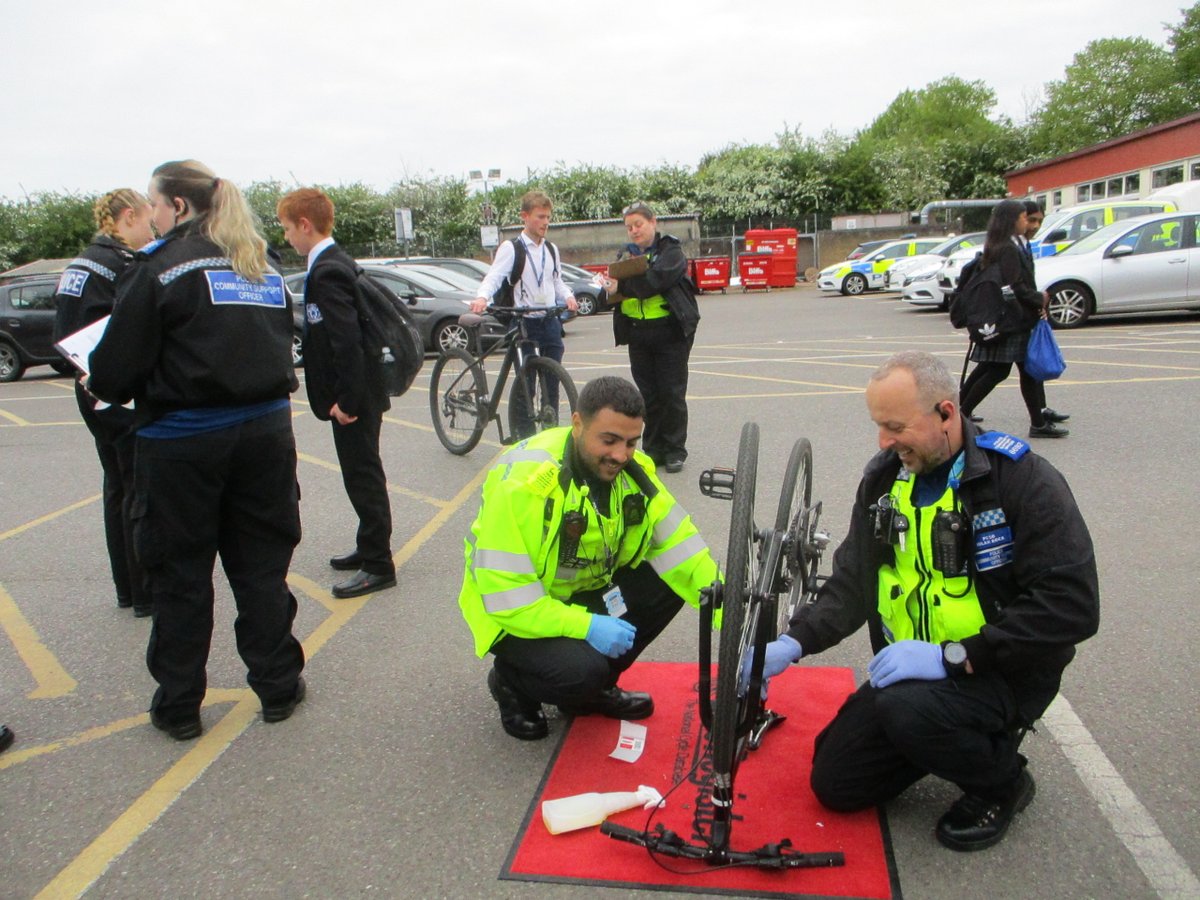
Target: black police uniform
(659, 349)
(336, 370)
(191, 343)
(1039, 594)
(86, 292)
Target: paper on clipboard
(78, 347)
(628, 267)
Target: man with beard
(577, 560)
(973, 570)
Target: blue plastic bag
(1043, 360)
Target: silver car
(1136, 265)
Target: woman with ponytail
(86, 293)
(201, 341)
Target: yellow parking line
(310, 588)
(52, 679)
(838, 388)
(15, 419)
(82, 872)
(12, 532)
(394, 488)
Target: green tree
(1112, 87)
(743, 181)
(1185, 48)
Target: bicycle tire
(795, 503)
(458, 398)
(736, 631)
(544, 415)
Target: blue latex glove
(778, 655)
(905, 660)
(610, 635)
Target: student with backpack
(1000, 320)
(526, 273)
(346, 386)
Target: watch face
(955, 653)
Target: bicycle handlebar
(768, 856)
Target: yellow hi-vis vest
(655, 307)
(916, 601)
(514, 581)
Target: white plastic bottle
(584, 810)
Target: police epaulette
(1012, 447)
(149, 248)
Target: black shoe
(6, 737)
(976, 823)
(616, 704)
(974, 418)
(1051, 415)
(347, 563)
(183, 730)
(521, 718)
(363, 583)
(140, 612)
(277, 712)
(1049, 430)
(124, 602)
(674, 465)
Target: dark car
(27, 326)
(866, 247)
(435, 305)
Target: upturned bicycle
(769, 573)
(462, 405)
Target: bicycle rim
(541, 375)
(457, 401)
(794, 513)
(737, 629)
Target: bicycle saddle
(470, 319)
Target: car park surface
(394, 778)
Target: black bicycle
(459, 399)
(760, 567)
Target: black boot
(976, 822)
(521, 717)
(614, 703)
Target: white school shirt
(531, 290)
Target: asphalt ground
(394, 778)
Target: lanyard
(536, 274)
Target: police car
(923, 268)
(1065, 226)
(852, 277)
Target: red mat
(774, 798)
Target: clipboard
(77, 347)
(629, 267)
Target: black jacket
(667, 275)
(1016, 271)
(87, 291)
(171, 345)
(1036, 608)
(335, 368)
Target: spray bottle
(584, 810)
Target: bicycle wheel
(458, 398)
(537, 392)
(737, 628)
(795, 502)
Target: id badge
(614, 603)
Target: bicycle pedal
(717, 482)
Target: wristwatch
(954, 658)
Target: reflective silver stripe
(520, 454)
(103, 271)
(566, 573)
(504, 561)
(514, 598)
(678, 554)
(664, 529)
(208, 262)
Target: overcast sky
(95, 95)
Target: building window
(1057, 201)
(1167, 176)
(1083, 193)
(1196, 171)
(1115, 187)
(1133, 184)
(1097, 190)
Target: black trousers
(230, 493)
(658, 360)
(964, 730)
(357, 446)
(569, 671)
(548, 333)
(984, 378)
(112, 433)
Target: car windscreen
(1096, 239)
(456, 280)
(1051, 222)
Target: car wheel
(587, 305)
(297, 349)
(11, 367)
(854, 284)
(1070, 305)
(449, 335)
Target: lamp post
(489, 235)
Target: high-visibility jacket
(520, 578)
(916, 599)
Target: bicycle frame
(518, 347)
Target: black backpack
(389, 333)
(504, 294)
(980, 305)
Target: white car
(904, 271)
(1139, 264)
(947, 276)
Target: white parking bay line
(1161, 863)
